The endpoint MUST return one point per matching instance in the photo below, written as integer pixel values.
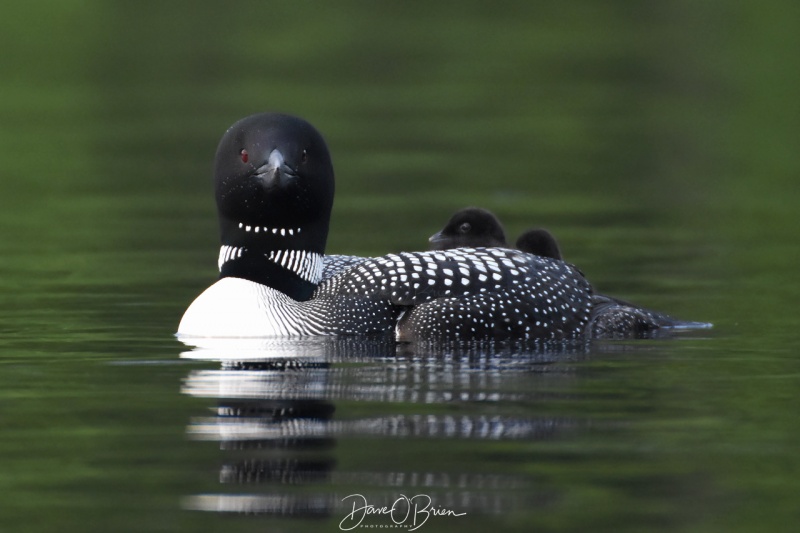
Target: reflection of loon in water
(275, 423)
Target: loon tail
(615, 318)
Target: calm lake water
(659, 144)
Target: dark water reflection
(292, 419)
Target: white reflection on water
(429, 426)
(273, 417)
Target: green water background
(658, 141)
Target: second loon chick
(274, 186)
(539, 241)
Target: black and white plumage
(609, 318)
(335, 264)
(460, 294)
(274, 190)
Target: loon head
(471, 227)
(540, 242)
(274, 189)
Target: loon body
(610, 317)
(274, 186)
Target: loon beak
(436, 239)
(275, 172)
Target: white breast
(234, 307)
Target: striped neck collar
(306, 265)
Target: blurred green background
(657, 140)
(612, 124)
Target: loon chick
(274, 186)
(474, 227)
(539, 241)
(470, 227)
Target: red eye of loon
(244, 156)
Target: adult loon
(610, 317)
(274, 187)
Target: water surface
(658, 145)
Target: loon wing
(469, 293)
(336, 264)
